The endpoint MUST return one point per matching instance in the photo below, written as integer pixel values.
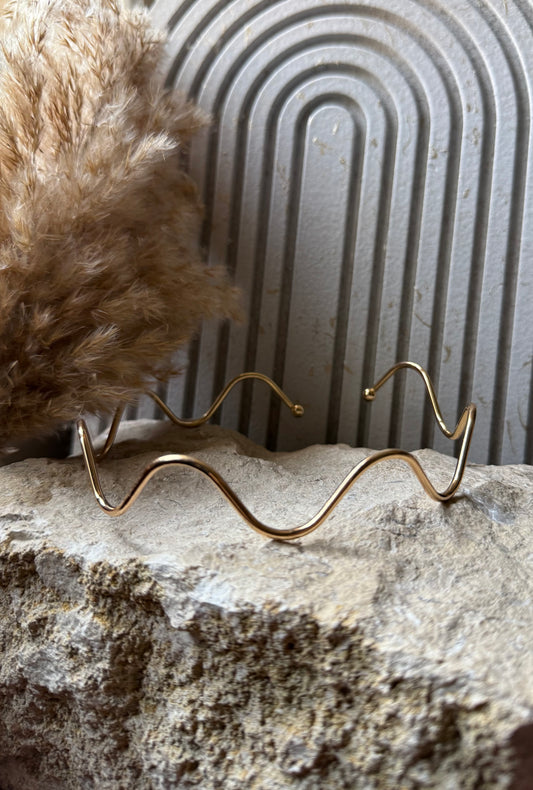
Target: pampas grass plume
(100, 276)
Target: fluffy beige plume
(100, 276)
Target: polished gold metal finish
(295, 408)
(464, 428)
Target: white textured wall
(368, 179)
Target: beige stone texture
(175, 648)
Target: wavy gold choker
(464, 428)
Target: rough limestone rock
(175, 648)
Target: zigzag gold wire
(464, 428)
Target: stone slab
(173, 647)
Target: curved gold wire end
(464, 428)
(296, 409)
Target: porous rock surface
(175, 648)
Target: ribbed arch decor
(368, 181)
